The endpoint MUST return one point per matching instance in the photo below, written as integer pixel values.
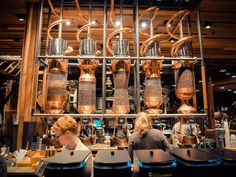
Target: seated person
(66, 131)
(144, 137)
(183, 128)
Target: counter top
(100, 146)
(20, 170)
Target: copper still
(151, 48)
(57, 78)
(121, 72)
(185, 87)
(153, 90)
(56, 93)
(87, 80)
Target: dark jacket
(154, 139)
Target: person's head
(65, 128)
(142, 123)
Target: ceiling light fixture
(207, 25)
(68, 23)
(228, 73)
(144, 23)
(222, 88)
(117, 23)
(222, 70)
(94, 22)
(234, 76)
(20, 17)
(172, 40)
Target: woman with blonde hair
(66, 131)
(145, 137)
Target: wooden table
(20, 171)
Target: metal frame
(136, 64)
(121, 115)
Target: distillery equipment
(151, 48)
(57, 71)
(184, 80)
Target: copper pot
(58, 66)
(153, 90)
(87, 80)
(56, 92)
(185, 108)
(185, 89)
(87, 87)
(185, 84)
(121, 70)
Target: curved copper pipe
(54, 24)
(112, 14)
(52, 8)
(83, 28)
(79, 12)
(148, 42)
(128, 30)
(179, 44)
(144, 13)
(180, 14)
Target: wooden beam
(210, 97)
(24, 109)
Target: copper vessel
(185, 87)
(183, 74)
(87, 80)
(153, 90)
(57, 78)
(121, 71)
(56, 92)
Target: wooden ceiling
(219, 42)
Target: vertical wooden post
(28, 67)
(210, 97)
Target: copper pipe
(180, 14)
(44, 89)
(204, 87)
(144, 13)
(54, 24)
(179, 44)
(79, 12)
(83, 28)
(128, 30)
(52, 8)
(112, 14)
(146, 43)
